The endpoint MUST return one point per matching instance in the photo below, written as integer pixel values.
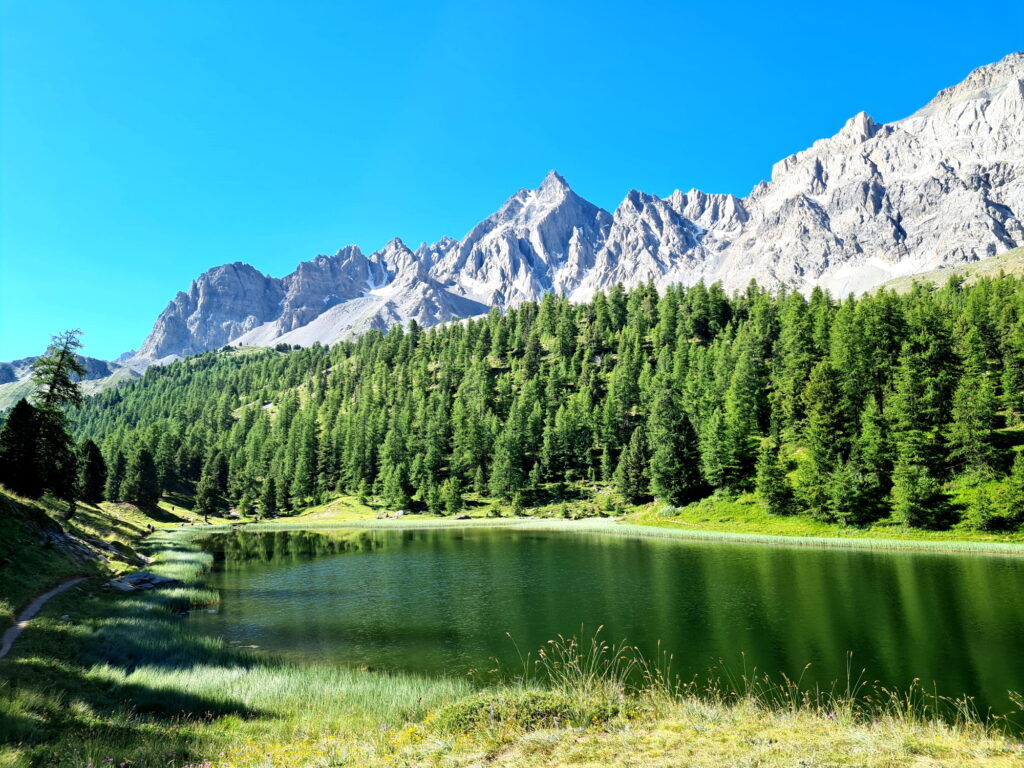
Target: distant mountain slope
(16, 378)
(874, 202)
(1010, 263)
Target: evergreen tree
(451, 496)
(92, 472)
(268, 498)
(827, 436)
(115, 478)
(914, 494)
(208, 500)
(872, 445)
(715, 456)
(772, 484)
(141, 483)
(20, 464)
(631, 478)
(675, 460)
(741, 405)
(56, 373)
(853, 494)
(395, 487)
(974, 409)
(59, 455)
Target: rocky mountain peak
(870, 203)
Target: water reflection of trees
(276, 546)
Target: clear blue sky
(144, 142)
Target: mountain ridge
(872, 203)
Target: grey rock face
(222, 304)
(873, 202)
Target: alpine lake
(459, 601)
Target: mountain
(873, 203)
(16, 378)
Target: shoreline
(623, 528)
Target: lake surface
(442, 601)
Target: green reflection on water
(441, 601)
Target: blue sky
(144, 142)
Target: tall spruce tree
(141, 483)
(675, 459)
(631, 477)
(115, 477)
(772, 485)
(21, 468)
(92, 472)
(915, 494)
(56, 373)
(974, 409)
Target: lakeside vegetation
(103, 676)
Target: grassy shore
(739, 519)
(103, 677)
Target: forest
(848, 411)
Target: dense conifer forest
(846, 410)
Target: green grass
(745, 519)
(122, 677)
(29, 563)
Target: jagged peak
(985, 82)
(554, 181)
(860, 127)
(637, 200)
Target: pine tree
(166, 462)
(115, 478)
(675, 460)
(58, 456)
(914, 494)
(207, 500)
(395, 487)
(432, 499)
(772, 484)
(715, 456)
(56, 375)
(974, 409)
(20, 463)
(141, 483)
(451, 496)
(57, 372)
(853, 494)
(873, 443)
(268, 498)
(741, 405)
(1015, 490)
(827, 437)
(92, 472)
(631, 478)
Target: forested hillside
(848, 411)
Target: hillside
(899, 409)
(111, 375)
(1009, 263)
